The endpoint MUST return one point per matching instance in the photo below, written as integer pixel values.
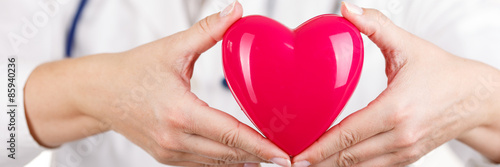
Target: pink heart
(292, 84)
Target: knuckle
(401, 112)
(230, 138)
(222, 164)
(205, 29)
(372, 165)
(398, 117)
(348, 138)
(179, 123)
(325, 150)
(217, 162)
(322, 154)
(378, 22)
(210, 165)
(179, 119)
(204, 26)
(170, 146)
(346, 158)
(165, 143)
(164, 157)
(406, 140)
(383, 20)
(259, 150)
(411, 155)
(231, 156)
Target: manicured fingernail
(281, 162)
(251, 165)
(301, 164)
(228, 9)
(353, 8)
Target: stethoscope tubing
(71, 34)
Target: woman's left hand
(432, 97)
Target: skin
(144, 94)
(432, 97)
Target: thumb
(393, 41)
(376, 26)
(207, 32)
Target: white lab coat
(464, 28)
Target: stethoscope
(71, 34)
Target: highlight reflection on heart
(292, 84)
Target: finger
(390, 159)
(188, 157)
(375, 146)
(355, 128)
(380, 29)
(183, 157)
(208, 31)
(252, 165)
(221, 127)
(217, 151)
(194, 164)
(397, 158)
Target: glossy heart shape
(292, 84)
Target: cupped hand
(168, 120)
(144, 94)
(431, 97)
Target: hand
(431, 98)
(144, 94)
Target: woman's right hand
(144, 94)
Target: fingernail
(301, 164)
(228, 9)
(281, 162)
(251, 165)
(353, 8)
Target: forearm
(485, 138)
(485, 141)
(51, 102)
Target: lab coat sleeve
(468, 29)
(25, 147)
(13, 18)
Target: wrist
(93, 86)
(490, 92)
(484, 135)
(51, 113)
